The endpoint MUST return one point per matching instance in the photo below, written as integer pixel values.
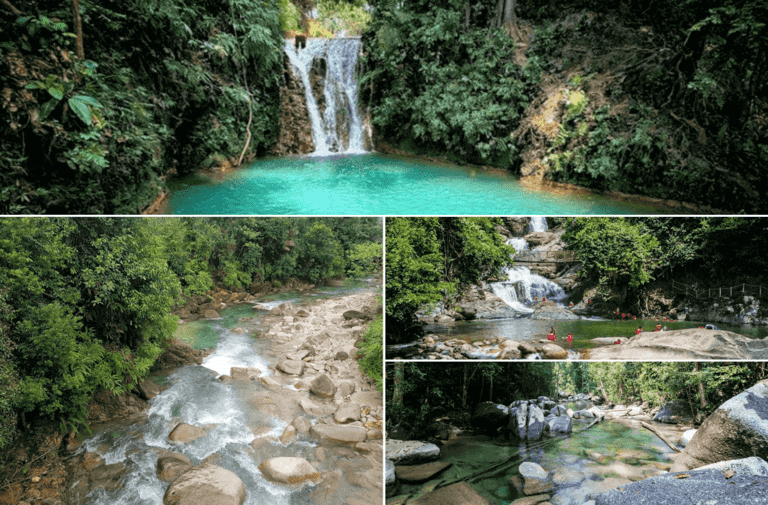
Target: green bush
(372, 351)
(289, 15)
(338, 16)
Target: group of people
(552, 336)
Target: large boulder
(518, 422)
(561, 425)
(536, 479)
(535, 423)
(206, 483)
(322, 386)
(553, 351)
(737, 429)
(685, 345)
(489, 416)
(289, 470)
(291, 366)
(673, 412)
(389, 472)
(410, 452)
(739, 482)
(347, 412)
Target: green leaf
(57, 91)
(81, 108)
(22, 20)
(47, 108)
(35, 85)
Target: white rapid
(340, 93)
(197, 397)
(522, 286)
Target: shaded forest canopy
(420, 394)
(85, 302)
(664, 99)
(433, 259)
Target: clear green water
(615, 441)
(584, 331)
(374, 184)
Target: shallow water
(375, 184)
(534, 330)
(567, 456)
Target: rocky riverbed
(278, 413)
(598, 454)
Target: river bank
(327, 414)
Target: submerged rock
(455, 494)
(418, 473)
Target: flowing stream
(242, 420)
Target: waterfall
(338, 127)
(522, 286)
(538, 223)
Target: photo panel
(149, 358)
(576, 288)
(576, 432)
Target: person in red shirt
(658, 326)
(617, 341)
(551, 335)
(639, 330)
(569, 338)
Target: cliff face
(295, 130)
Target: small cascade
(538, 223)
(327, 70)
(518, 243)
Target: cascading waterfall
(339, 127)
(521, 285)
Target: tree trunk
(702, 391)
(78, 29)
(464, 389)
(602, 390)
(490, 391)
(397, 396)
(505, 13)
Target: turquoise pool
(375, 184)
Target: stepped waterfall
(326, 68)
(521, 285)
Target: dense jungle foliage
(625, 253)
(419, 394)
(665, 99)
(161, 87)
(428, 258)
(85, 302)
